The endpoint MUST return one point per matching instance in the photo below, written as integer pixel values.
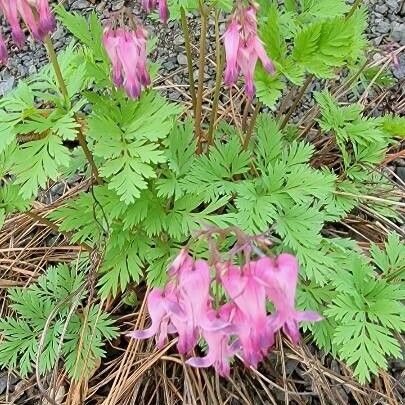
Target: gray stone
(181, 59)
(393, 4)
(382, 26)
(6, 85)
(80, 5)
(382, 9)
(178, 40)
(398, 32)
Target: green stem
(249, 131)
(54, 60)
(201, 62)
(354, 8)
(218, 80)
(82, 141)
(187, 44)
(245, 114)
(296, 101)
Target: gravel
(386, 25)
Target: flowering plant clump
(36, 15)
(142, 174)
(237, 322)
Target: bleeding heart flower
(162, 305)
(249, 316)
(150, 5)
(220, 349)
(243, 48)
(36, 15)
(281, 277)
(127, 52)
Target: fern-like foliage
(78, 339)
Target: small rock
(392, 4)
(79, 5)
(398, 32)
(382, 26)
(32, 70)
(178, 40)
(382, 9)
(6, 85)
(181, 59)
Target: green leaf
(121, 265)
(36, 162)
(219, 170)
(300, 226)
(268, 88)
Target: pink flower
(280, 277)
(249, 316)
(36, 15)
(161, 306)
(231, 44)
(47, 21)
(220, 350)
(150, 5)
(193, 286)
(235, 322)
(9, 9)
(127, 52)
(243, 48)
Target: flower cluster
(126, 49)
(241, 324)
(36, 15)
(243, 48)
(150, 5)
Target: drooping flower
(47, 21)
(150, 5)
(249, 316)
(193, 285)
(36, 15)
(220, 348)
(236, 322)
(280, 277)
(243, 48)
(161, 306)
(127, 52)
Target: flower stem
(252, 123)
(82, 142)
(63, 89)
(218, 80)
(201, 63)
(354, 8)
(187, 42)
(54, 60)
(297, 100)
